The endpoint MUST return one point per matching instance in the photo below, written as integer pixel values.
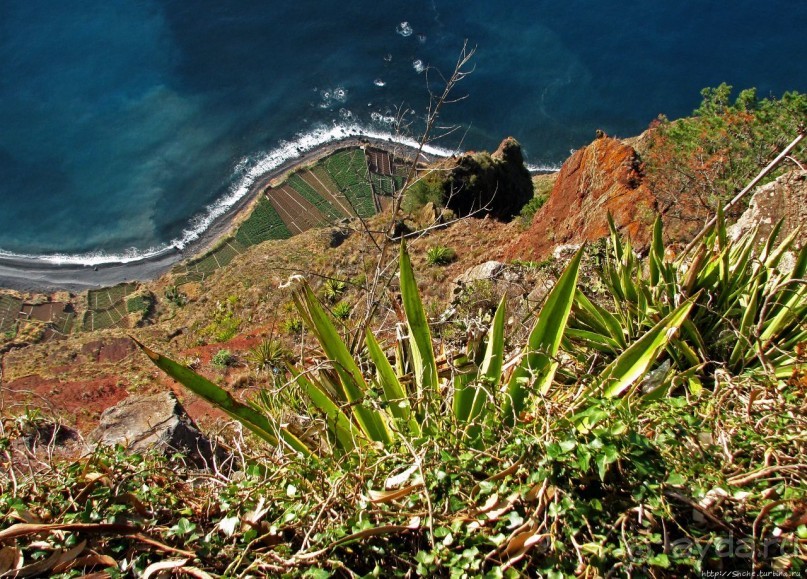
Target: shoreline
(36, 276)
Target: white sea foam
(533, 168)
(245, 173)
(382, 119)
(332, 95)
(404, 29)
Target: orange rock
(606, 176)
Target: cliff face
(606, 176)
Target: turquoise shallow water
(125, 126)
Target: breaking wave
(404, 29)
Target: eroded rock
(142, 423)
(604, 177)
(783, 199)
(484, 271)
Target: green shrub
(428, 189)
(703, 160)
(223, 359)
(175, 296)
(268, 355)
(532, 207)
(332, 289)
(342, 310)
(748, 315)
(226, 322)
(141, 303)
(293, 326)
(440, 255)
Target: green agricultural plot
(348, 169)
(189, 277)
(9, 309)
(106, 307)
(64, 323)
(222, 255)
(225, 254)
(383, 185)
(262, 225)
(312, 196)
(107, 297)
(104, 319)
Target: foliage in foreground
(554, 499)
(657, 457)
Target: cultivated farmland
(106, 307)
(348, 183)
(263, 224)
(296, 211)
(348, 168)
(313, 196)
(326, 186)
(9, 309)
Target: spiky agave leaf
(255, 421)
(347, 435)
(634, 362)
(538, 364)
(394, 393)
(420, 339)
(352, 386)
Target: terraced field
(296, 211)
(379, 161)
(106, 307)
(348, 168)
(57, 316)
(329, 190)
(340, 186)
(198, 269)
(262, 225)
(310, 192)
(9, 310)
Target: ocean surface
(126, 126)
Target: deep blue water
(123, 121)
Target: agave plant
(268, 355)
(421, 393)
(440, 255)
(333, 288)
(748, 314)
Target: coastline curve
(75, 273)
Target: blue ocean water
(126, 125)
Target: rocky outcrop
(142, 423)
(604, 177)
(783, 199)
(484, 271)
(496, 184)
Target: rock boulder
(783, 199)
(142, 423)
